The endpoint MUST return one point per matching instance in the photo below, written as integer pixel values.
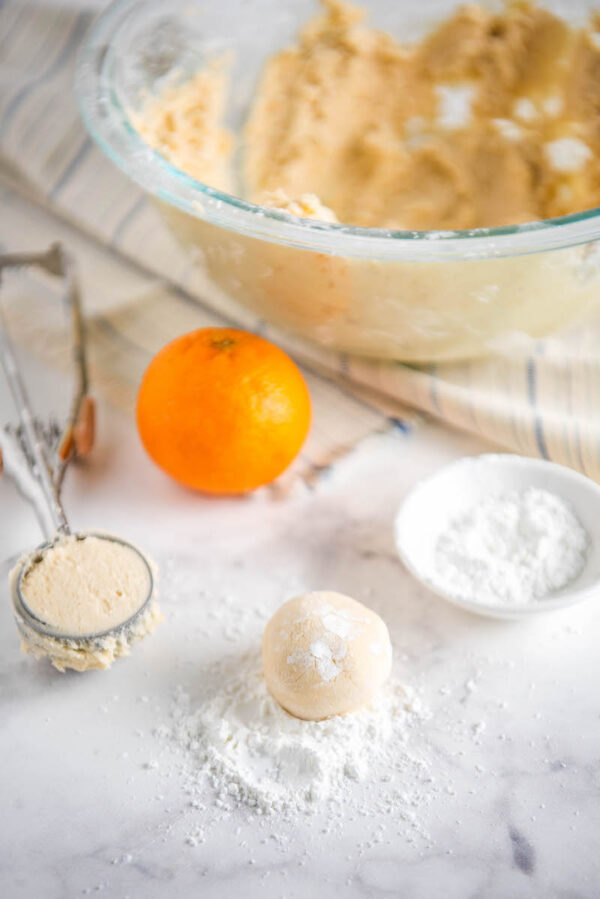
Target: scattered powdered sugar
(367, 781)
(567, 154)
(454, 103)
(525, 109)
(257, 755)
(508, 129)
(339, 621)
(553, 105)
(511, 549)
(325, 656)
(327, 652)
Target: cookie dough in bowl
(400, 182)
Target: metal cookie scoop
(36, 455)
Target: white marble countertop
(512, 742)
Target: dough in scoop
(86, 586)
(96, 594)
(325, 654)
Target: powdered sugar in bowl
(503, 535)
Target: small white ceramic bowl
(438, 499)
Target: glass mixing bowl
(417, 296)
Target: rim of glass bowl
(111, 128)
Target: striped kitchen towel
(140, 288)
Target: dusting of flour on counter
(511, 549)
(257, 755)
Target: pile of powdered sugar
(511, 549)
(255, 754)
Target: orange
(222, 410)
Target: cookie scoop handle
(45, 499)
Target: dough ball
(325, 654)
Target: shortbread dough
(80, 588)
(492, 119)
(325, 654)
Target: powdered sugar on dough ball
(325, 654)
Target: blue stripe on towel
(80, 24)
(71, 168)
(537, 422)
(4, 36)
(127, 218)
(400, 424)
(433, 388)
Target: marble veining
(523, 851)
